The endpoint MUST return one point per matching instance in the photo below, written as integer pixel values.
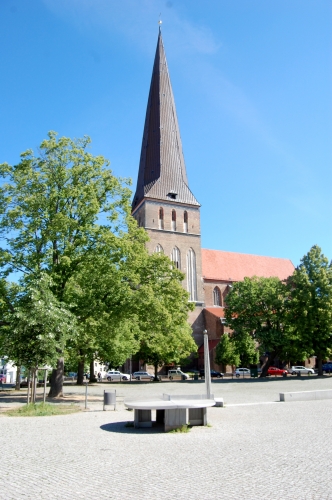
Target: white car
(300, 369)
(143, 376)
(241, 372)
(174, 374)
(116, 375)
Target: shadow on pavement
(120, 427)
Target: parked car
(116, 375)
(143, 376)
(327, 367)
(177, 374)
(294, 370)
(241, 372)
(273, 370)
(213, 373)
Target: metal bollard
(86, 396)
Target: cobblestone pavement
(255, 448)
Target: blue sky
(252, 81)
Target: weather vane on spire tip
(160, 21)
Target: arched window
(161, 218)
(159, 249)
(176, 257)
(173, 220)
(185, 221)
(216, 297)
(191, 275)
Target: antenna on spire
(160, 22)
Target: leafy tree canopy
(310, 289)
(226, 353)
(59, 210)
(35, 325)
(258, 307)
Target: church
(169, 212)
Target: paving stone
(263, 450)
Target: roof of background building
(162, 172)
(217, 311)
(232, 266)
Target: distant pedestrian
(99, 377)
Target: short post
(86, 396)
(28, 395)
(45, 381)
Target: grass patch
(182, 429)
(42, 410)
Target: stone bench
(305, 395)
(172, 413)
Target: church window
(175, 257)
(161, 218)
(159, 249)
(191, 275)
(216, 297)
(173, 220)
(185, 221)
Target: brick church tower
(163, 203)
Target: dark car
(327, 367)
(214, 373)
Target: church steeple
(162, 172)
(163, 203)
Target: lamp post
(207, 372)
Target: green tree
(162, 311)
(56, 210)
(311, 304)
(34, 325)
(258, 307)
(246, 347)
(226, 353)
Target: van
(177, 374)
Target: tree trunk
(319, 363)
(18, 379)
(268, 363)
(56, 381)
(92, 372)
(80, 372)
(156, 379)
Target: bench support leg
(142, 418)
(197, 416)
(176, 418)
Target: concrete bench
(305, 395)
(173, 413)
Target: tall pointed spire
(162, 172)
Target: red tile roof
(216, 311)
(231, 266)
